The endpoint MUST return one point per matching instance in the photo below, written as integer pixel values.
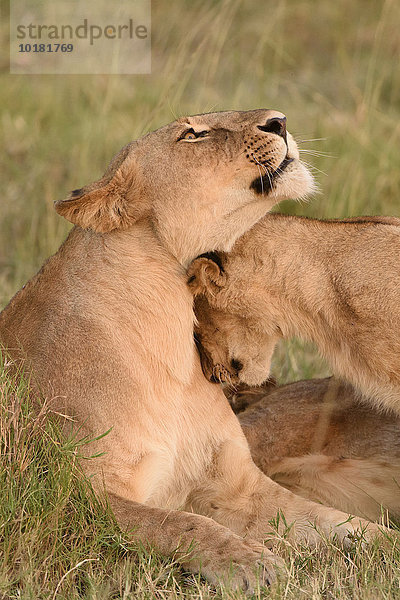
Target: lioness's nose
(275, 125)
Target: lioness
(106, 327)
(335, 283)
(317, 439)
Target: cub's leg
(199, 544)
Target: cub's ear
(115, 201)
(206, 275)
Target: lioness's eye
(191, 134)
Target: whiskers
(310, 140)
(312, 151)
(313, 168)
(266, 172)
(222, 375)
(315, 153)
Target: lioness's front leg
(199, 544)
(238, 495)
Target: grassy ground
(332, 67)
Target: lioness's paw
(346, 530)
(239, 564)
(356, 531)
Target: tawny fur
(106, 327)
(320, 441)
(335, 283)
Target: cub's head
(233, 347)
(202, 181)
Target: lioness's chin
(296, 182)
(291, 180)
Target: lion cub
(318, 440)
(335, 283)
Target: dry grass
(332, 67)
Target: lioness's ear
(206, 273)
(115, 201)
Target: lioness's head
(233, 349)
(201, 180)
